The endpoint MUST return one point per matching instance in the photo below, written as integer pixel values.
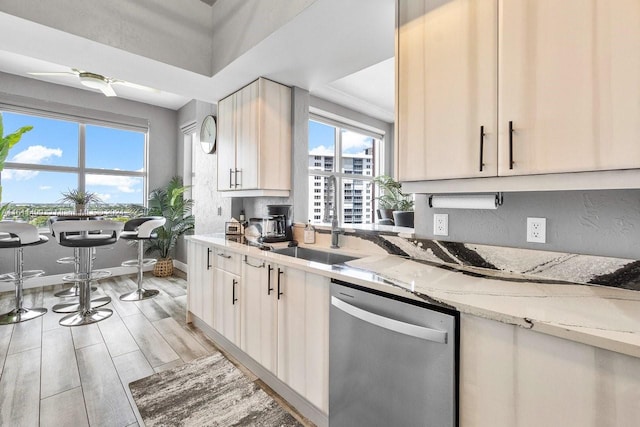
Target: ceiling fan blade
(108, 90)
(135, 86)
(60, 73)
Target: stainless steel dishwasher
(392, 361)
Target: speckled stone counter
(519, 293)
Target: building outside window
(354, 156)
(63, 153)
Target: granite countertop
(600, 316)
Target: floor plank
(86, 335)
(170, 306)
(132, 367)
(169, 287)
(187, 347)
(170, 365)
(151, 310)
(51, 320)
(59, 366)
(122, 308)
(20, 406)
(105, 398)
(153, 346)
(117, 337)
(26, 336)
(5, 338)
(64, 409)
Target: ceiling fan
(97, 81)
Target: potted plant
(6, 143)
(394, 200)
(170, 203)
(80, 199)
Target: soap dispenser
(309, 233)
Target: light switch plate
(537, 230)
(441, 224)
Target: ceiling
(326, 52)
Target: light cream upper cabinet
(226, 144)
(570, 85)
(446, 89)
(254, 145)
(555, 84)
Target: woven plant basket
(163, 268)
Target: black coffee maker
(281, 217)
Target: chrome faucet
(335, 222)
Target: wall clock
(208, 135)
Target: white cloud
(18, 175)
(36, 154)
(352, 141)
(104, 197)
(45, 187)
(321, 150)
(124, 184)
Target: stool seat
(88, 241)
(17, 236)
(141, 229)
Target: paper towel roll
(480, 201)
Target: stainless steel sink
(313, 255)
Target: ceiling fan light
(93, 81)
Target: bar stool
(86, 235)
(141, 229)
(73, 291)
(17, 236)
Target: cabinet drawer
(228, 261)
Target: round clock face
(208, 135)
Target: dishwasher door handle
(391, 324)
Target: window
(61, 153)
(353, 155)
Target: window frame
(378, 162)
(81, 170)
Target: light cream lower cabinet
(510, 376)
(285, 326)
(201, 281)
(227, 299)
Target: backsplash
(541, 265)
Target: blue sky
(55, 142)
(322, 140)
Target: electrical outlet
(441, 224)
(537, 230)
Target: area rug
(209, 391)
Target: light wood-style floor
(52, 375)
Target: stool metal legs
(74, 291)
(140, 293)
(86, 313)
(20, 313)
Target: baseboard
(56, 279)
(306, 408)
(180, 265)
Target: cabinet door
(227, 305)
(259, 313)
(569, 84)
(226, 143)
(291, 327)
(247, 138)
(447, 85)
(200, 279)
(317, 305)
(275, 136)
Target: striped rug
(209, 391)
